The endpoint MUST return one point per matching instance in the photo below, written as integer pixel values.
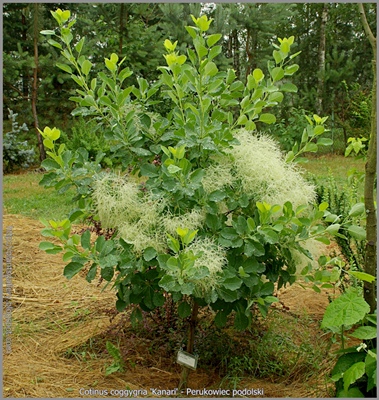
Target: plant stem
(191, 340)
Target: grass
(337, 166)
(23, 195)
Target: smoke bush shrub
(203, 211)
(16, 153)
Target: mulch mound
(53, 317)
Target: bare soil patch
(59, 329)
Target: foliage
(346, 206)
(356, 145)
(118, 363)
(289, 128)
(310, 139)
(88, 136)
(355, 370)
(16, 153)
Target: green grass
(336, 166)
(23, 195)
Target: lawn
(23, 195)
(336, 166)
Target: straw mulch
(51, 316)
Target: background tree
(369, 191)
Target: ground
(57, 325)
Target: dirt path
(51, 316)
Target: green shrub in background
(287, 131)
(88, 135)
(17, 153)
(347, 206)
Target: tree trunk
(251, 50)
(25, 75)
(369, 189)
(321, 60)
(122, 6)
(191, 341)
(42, 153)
(236, 53)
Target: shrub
(88, 135)
(16, 153)
(175, 230)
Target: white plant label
(186, 359)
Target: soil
(59, 329)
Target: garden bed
(60, 327)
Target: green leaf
(365, 332)
(277, 56)
(355, 372)
(357, 232)
(79, 45)
(241, 321)
(227, 295)
(50, 248)
(217, 195)
(192, 31)
(357, 210)
(276, 97)
(158, 299)
(258, 74)
(49, 164)
(78, 80)
(72, 269)
(149, 253)
(107, 262)
(173, 169)
(110, 65)
(288, 87)
(86, 67)
(169, 284)
(47, 32)
(55, 44)
(363, 276)
(291, 69)
(211, 69)
(277, 74)
(64, 67)
(233, 283)
(267, 118)
(91, 273)
(184, 310)
(324, 142)
(85, 240)
(371, 368)
(214, 52)
(221, 318)
(230, 76)
(285, 47)
(333, 229)
(348, 309)
(213, 39)
(353, 392)
(242, 120)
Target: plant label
(186, 359)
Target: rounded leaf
(347, 309)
